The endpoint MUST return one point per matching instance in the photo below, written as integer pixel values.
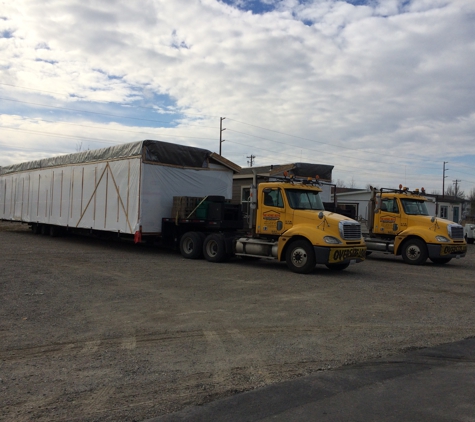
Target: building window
(245, 194)
(444, 211)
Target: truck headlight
(441, 239)
(332, 240)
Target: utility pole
(456, 183)
(251, 160)
(221, 130)
(443, 179)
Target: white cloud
(390, 80)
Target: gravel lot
(105, 331)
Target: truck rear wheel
(300, 257)
(414, 252)
(191, 245)
(214, 248)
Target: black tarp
(323, 171)
(154, 151)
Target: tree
(454, 190)
(340, 183)
(471, 195)
(471, 199)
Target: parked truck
(179, 195)
(400, 224)
(469, 232)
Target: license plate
(344, 254)
(453, 249)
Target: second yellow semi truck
(399, 223)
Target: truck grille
(350, 230)
(455, 231)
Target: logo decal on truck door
(271, 215)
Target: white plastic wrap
(100, 196)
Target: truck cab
(399, 223)
(292, 225)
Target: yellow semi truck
(287, 223)
(399, 223)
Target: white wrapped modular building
(125, 188)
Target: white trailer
(125, 189)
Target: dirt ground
(105, 331)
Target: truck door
(271, 214)
(390, 217)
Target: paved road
(432, 384)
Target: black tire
(45, 229)
(338, 267)
(414, 252)
(54, 231)
(191, 245)
(36, 228)
(470, 241)
(368, 253)
(440, 261)
(214, 248)
(300, 257)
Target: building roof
(323, 171)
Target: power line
(114, 130)
(91, 138)
(318, 151)
(96, 113)
(312, 140)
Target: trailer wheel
(440, 261)
(54, 231)
(191, 245)
(414, 252)
(45, 229)
(214, 248)
(337, 267)
(300, 257)
(36, 228)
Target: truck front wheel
(191, 245)
(300, 257)
(214, 248)
(440, 261)
(338, 267)
(414, 252)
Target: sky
(383, 90)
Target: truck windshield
(414, 207)
(304, 199)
